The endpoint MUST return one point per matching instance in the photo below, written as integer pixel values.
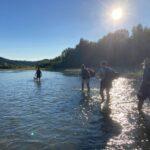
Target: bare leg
(102, 95)
(88, 86)
(141, 100)
(82, 85)
(107, 94)
(140, 104)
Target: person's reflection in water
(85, 97)
(38, 84)
(99, 122)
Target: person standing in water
(144, 91)
(107, 74)
(85, 75)
(38, 74)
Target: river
(55, 114)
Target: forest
(120, 48)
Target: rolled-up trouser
(105, 84)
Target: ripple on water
(124, 110)
(55, 114)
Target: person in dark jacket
(144, 91)
(38, 74)
(85, 75)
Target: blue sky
(38, 29)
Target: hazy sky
(37, 29)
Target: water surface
(55, 114)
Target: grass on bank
(124, 73)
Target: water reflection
(55, 114)
(38, 84)
(142, 139)
(123, 106)
(98, 119)
(85, 97)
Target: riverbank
(76, 71)
(124, 73)
(20, 68)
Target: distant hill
(14, 64)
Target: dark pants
(105, 85)
(143, 94)
(38, 76)
(86, 81)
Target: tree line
(119, 48)
(14, 64)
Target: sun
(117, 14)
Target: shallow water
(55, 114)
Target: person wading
(85, 75)
(144, 91)
(107, 74)
(38, 74)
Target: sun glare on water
(117, 14)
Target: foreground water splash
(55, 114)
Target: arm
(35, 73)
(100, 73)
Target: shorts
(144, 92)
(105, 85)
(38, 76)
(86, 80)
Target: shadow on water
(112, 127)
(104, 126)
(124, 110)
(143, 130)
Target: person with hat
(144, 91)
